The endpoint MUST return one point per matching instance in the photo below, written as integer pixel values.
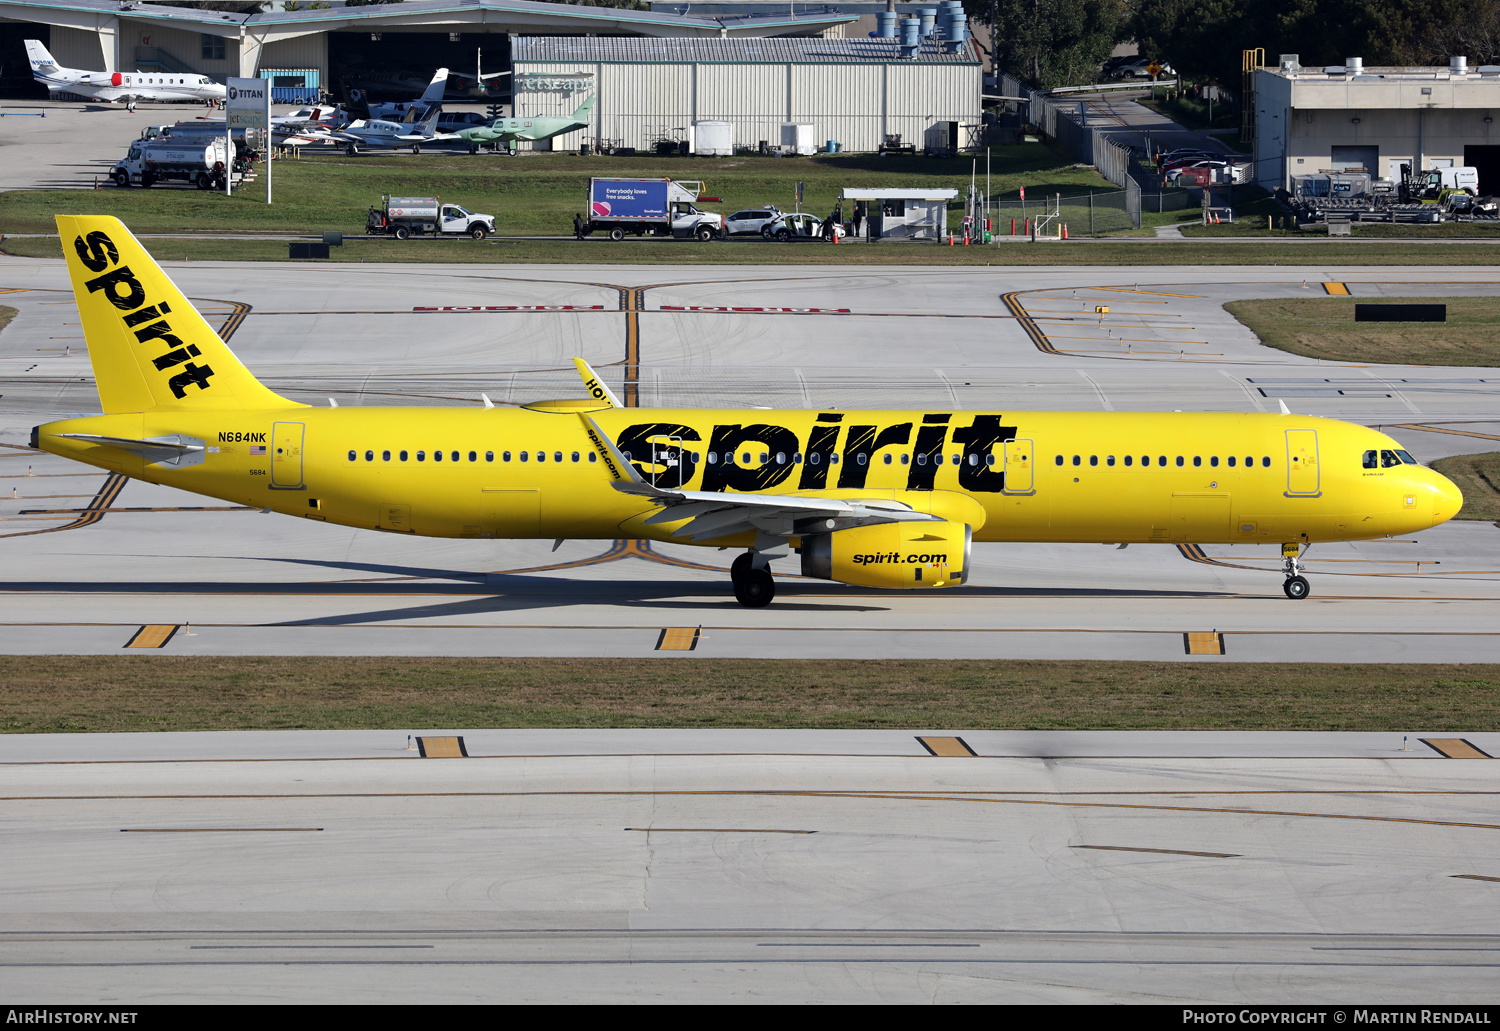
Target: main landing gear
(1296, 585)
(751, 573)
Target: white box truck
(648, 207)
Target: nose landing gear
(1296, 585)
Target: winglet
(618, 465)
(594, 385)
(1284, 409)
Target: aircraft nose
(1448, 498)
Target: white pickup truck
(402, 217)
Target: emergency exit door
(286, 456)
(1302, 463)
(1018, 476)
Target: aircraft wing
(711, 515)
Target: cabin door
(1018, 462)
(1302, 463)
(286, 456)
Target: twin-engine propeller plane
(888, 499)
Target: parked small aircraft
(378, 133)
(112, 86)
(504, 130)
(404, 111)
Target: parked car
(797, 226)
(752, 220)
(1140, 68)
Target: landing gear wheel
(416, 148)
(1297, 588)
(473, 148)
(351, 150)
(755, 590)
(739, 567)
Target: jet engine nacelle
(910, 555)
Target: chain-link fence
(1084, 213)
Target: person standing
(859, 216)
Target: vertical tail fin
(41, 60)
(585, 109)
(150, 348)
(435, 89)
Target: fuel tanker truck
(197, 160)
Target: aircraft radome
(884, 499)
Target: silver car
(751, 220)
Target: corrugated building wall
(852, 91)
(310, 51)
(76, 48)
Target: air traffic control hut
(901, 214)
(854, 92)
(1350, 116)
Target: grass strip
(535, 195)
(6, 314)
(1324, 327)
(1478, 476)
(96, 694)
(760, 252)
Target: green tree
(1051, 43)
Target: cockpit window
(1388, 459)
(1406, 458)
(1370, 460)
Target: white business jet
(110, 87)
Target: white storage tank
(799, 138)
(714, 139)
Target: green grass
(95, 694)
(1478, 476)
(1191, 113)
(6, 314)
(536, 195)
(1324, 327)
(1252, 222)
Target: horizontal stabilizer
(175, 449)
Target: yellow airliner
(874, 498)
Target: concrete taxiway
(934, 865)
(90, 560)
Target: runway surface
(89, 560)
(781, 866)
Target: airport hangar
(106, 35)
(1351, 116)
